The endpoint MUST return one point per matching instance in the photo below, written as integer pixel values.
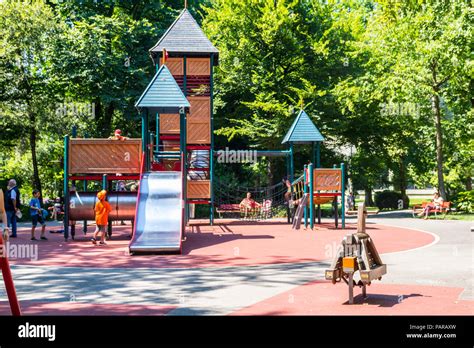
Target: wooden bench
(228, 208)
(443, 209)
(260, 212)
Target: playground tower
(190, 57)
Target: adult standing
(12, 205)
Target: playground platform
(232, 268)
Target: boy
(102, 209)
(36, 215)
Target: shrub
(465, 201)
(389, 200)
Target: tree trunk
(108, 115)
(98, 114)
(402, 180)
(468, 183)
(439, 135)
(369, 202)
(34, 160)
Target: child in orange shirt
(102, 209)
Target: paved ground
(263, 268)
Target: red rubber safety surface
(78, 308)
(228, 243)
(324, 298)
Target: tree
(429, 46)
(27, 30)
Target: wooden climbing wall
(103, 156)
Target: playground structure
(100, 160)
(357, 252)
(177, 146)
(326, 185)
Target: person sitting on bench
(437, 203)
(248, 204)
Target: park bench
(228, 208)
(443, 209)
(264, 210)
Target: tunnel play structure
(174, 159)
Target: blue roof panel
(302, 130)
(162, 92)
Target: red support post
(8, 279)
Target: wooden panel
(103, 156)
(175, 65)
(199, 133)
(327, 180)
(200, 108)
(198, 66)
(169, 124)
(199, 126)
(198, 189)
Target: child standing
(102, 209)
(36, 215)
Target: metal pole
(211, 151)
(84, 223)
(143, 132)
(185, 73)
(343, 195)
(157, 117)
(351, 287)
(292, 164)
(65, 187)
(311, 196)
(74, 131)
(183, 120)
(304, 195)
(364, 291)
(319, 214)
(151, 159)
(318, 154)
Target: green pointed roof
(302, 130)
(163, 95)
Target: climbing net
(271, 200)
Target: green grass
(415, 201)
(459, 216)
(453, 216)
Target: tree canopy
(391, 80)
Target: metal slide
(159, 217)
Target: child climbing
(102, 209)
